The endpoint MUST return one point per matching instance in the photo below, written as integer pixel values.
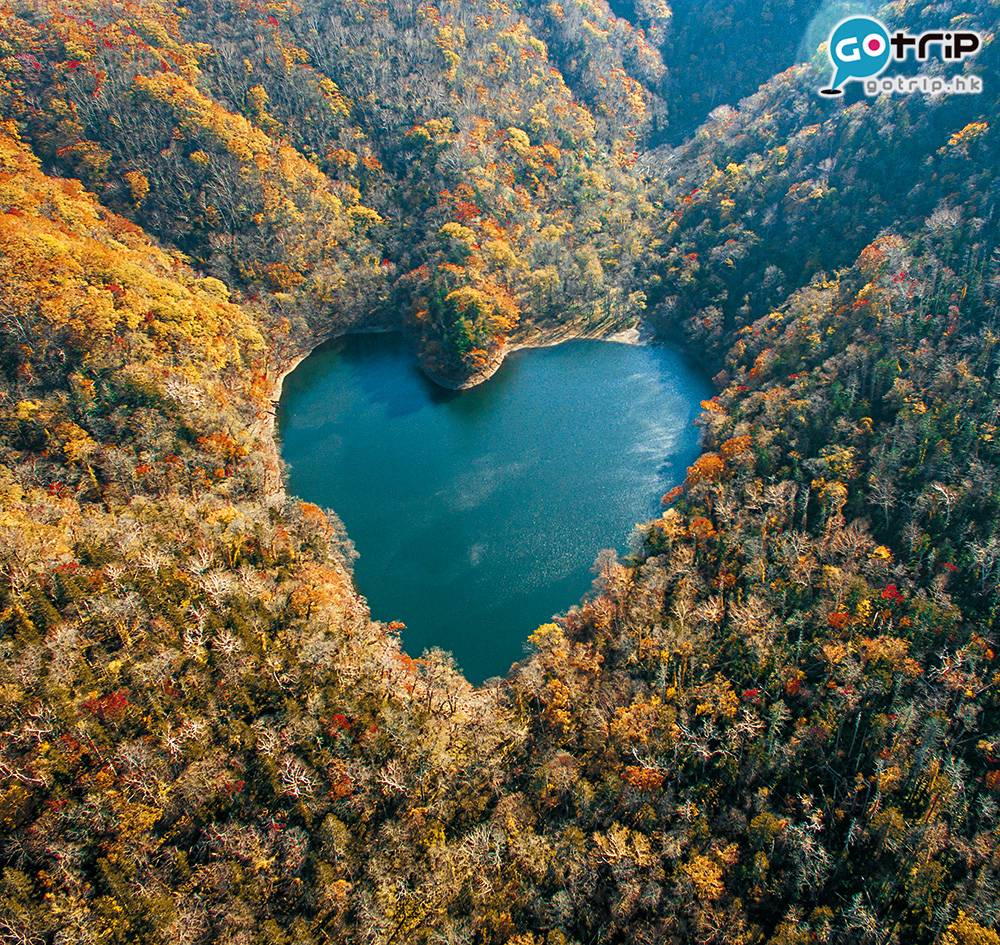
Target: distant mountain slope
(720, 52)
(788, 184)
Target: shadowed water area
(478, 514)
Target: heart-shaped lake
(478, 514)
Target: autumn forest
(774, 721)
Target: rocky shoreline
(537, 338)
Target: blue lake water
(478, 514)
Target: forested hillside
(776, 721)
(425, 165)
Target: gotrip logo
(861, 48)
